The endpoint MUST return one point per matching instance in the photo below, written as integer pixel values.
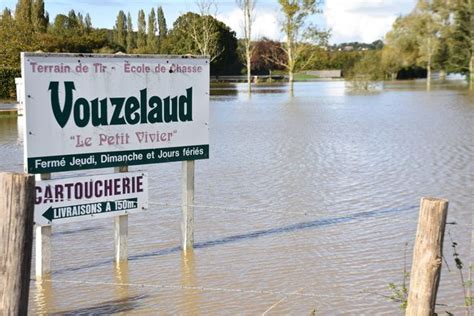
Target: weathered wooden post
(187, 204)
(43, 243)
(121, 231)
(427, 257)
(17, 192)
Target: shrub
(7, 82)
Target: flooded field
(305, 204)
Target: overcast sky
(349, 20)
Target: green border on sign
(50, 164)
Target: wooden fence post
(17, 192)
(427, 257)
(187, 204)
(43, 243)
(121, 231)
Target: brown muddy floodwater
(307, 203)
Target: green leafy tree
(60, 25)
(72, 22)
(429, 37)
(120, 30)
(16, 34)
(162, 27)
(427, 26)
(6, 14)
(461, 43)
(443, 9)
(402, 40)
(87, 23)
(297, 31)
(390, 62)
(344, 60)
(23, 12)
(367, 71)
(313, 57)
(141, 35)
(81, 23)
(85, 43)
(196, 34)
(204, 35)
(39, 16)
(131, 45)
(152, 40)
(14, 38)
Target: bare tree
(247, 7)
(204, 31)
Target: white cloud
(264, 25)
(362, 20)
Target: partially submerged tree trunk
(297, 32)
(442, 74)
(247, 7)
(471, 73)
(428, 66)
(291, 66)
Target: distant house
(348, 48)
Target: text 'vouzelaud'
(125, 110)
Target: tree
(298, 32)
(141, 36)
(87, 23)
(39, 16)
(16, 34)
(204, 35)
(80, 21)
(427, 26)
(403, 40)
(367, 71)
(60, 24)
(23, 12)
(390, 62)
(204, 29)
(247, 7)
(130, 34)
(267, 55)
(424, 38)
(72, 21)
(6, 14)
(200, 34)
(461, 43)
(152, 40)
(162, 28)
(120, 30)
(443, 9)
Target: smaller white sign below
(82, 198)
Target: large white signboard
(82, 198)
(96, 111)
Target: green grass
(304, 77)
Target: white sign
(97, 111)
(83, 198)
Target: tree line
(436, 35)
